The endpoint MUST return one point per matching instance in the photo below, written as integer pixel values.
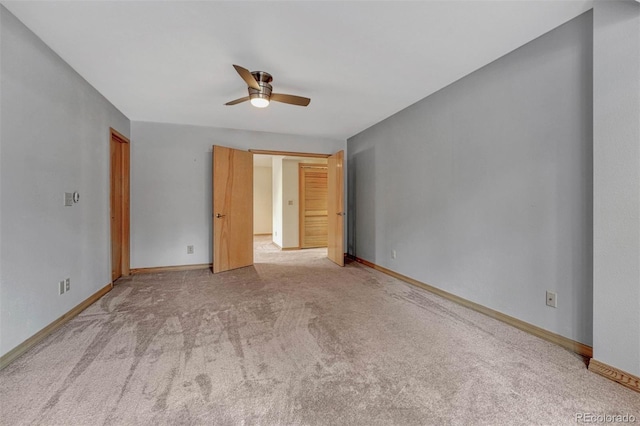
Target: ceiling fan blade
(247, 77)
(290, 99)
(237, 101)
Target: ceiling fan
(260, 90)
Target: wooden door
(335, 208)
(313, 205)
(119, 205)
(232, 209)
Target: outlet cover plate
(552, 299)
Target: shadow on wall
(361, 169)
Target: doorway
(241, 178)
(280, 203)
(119, 204)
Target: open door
(335, 208)
(232, 209)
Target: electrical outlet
(189, 249)
(61, 287)
(552, 299)
(67, 284)
(394, 254)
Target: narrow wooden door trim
(301, 191)
(288, 153)
(118, 136)
(123, 144)
(313, 165)
(335, 208)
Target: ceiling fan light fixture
(260, 98)
(260, 102)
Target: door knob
(220, 215)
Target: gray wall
(54, 137)
(616, 233)
(484, 189)
(171, 186)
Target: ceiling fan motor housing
(263, 79)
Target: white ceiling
(359, 62)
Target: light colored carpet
(295, 340)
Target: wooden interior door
(335, 208)
(232, 209)
(313, 205)
(119, 184)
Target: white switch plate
(552, 299)
(61, 287)
(394, 254)
(68, 199)
(189, 249)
